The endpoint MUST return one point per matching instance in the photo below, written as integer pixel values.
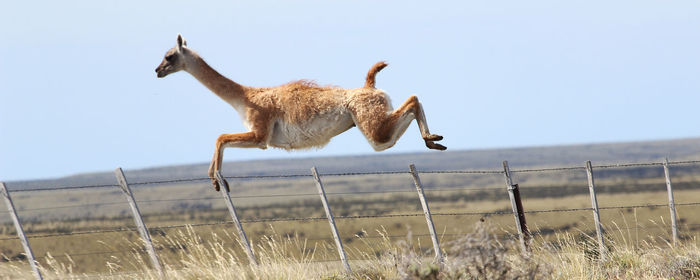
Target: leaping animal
(300, 114)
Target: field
(374, 214)
(480, 254)
(89, 232)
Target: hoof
(216, 185)
(435, 146)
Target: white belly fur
(316, 132)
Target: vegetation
(380, 222)
(477, 255)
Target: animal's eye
(169, 57)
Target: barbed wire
(631, 206)
(191, 225)
(64, 188)
(621, 165)
(618, 165)
(121, 229)
(412, 235)
(604, 166)
(368, 192)
(684, 162)
(258, 196)
(72, 206)
(501, 212)
(553, 169)
(363, 173)
(465, 189)
(177, 199)
(472, 213)
(169, 181)
(427, 189)
(687, 204)
(327, 193)
(274, 195)
(302, 194)
(260, 221)
(646, 164)
(459, 172)
(556, 210)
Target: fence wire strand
(553, 169)
(618, 165)
(304, 219)
(73, 233)
(73, 206)
(64, 188)
(269, 220)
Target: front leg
(212, 169)
(238, 140)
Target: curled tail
(369, 81)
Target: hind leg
(383, 130)
(423, 125)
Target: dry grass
(480, 254)
(300, 250)
(89, 253)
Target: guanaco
(300, 114)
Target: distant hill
(526, 157)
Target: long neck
(225, 88)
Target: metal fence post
(331, 221)
(234, 216)
(671, 203)
(426, 211)
(143, 231)
(596, 213)
(517, 204)
(20, 231)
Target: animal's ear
(180, 42)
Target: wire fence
(201, 179)
(338, 193)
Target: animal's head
(174, 59)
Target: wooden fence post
(138, 220)
(20, 231)
(671, 203)
(426, 211)
(331, 221)
(517, 204)
(596, 214)
(234, 216)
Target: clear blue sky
(78, 92)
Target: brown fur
(286, 110)
(370, 80)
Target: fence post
(20, 231)
(331, 221)
(426, 211)
(517, 204)
(143, 231)
(234, 216)
(671, 203)
(596, 213)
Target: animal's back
(307, 115)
